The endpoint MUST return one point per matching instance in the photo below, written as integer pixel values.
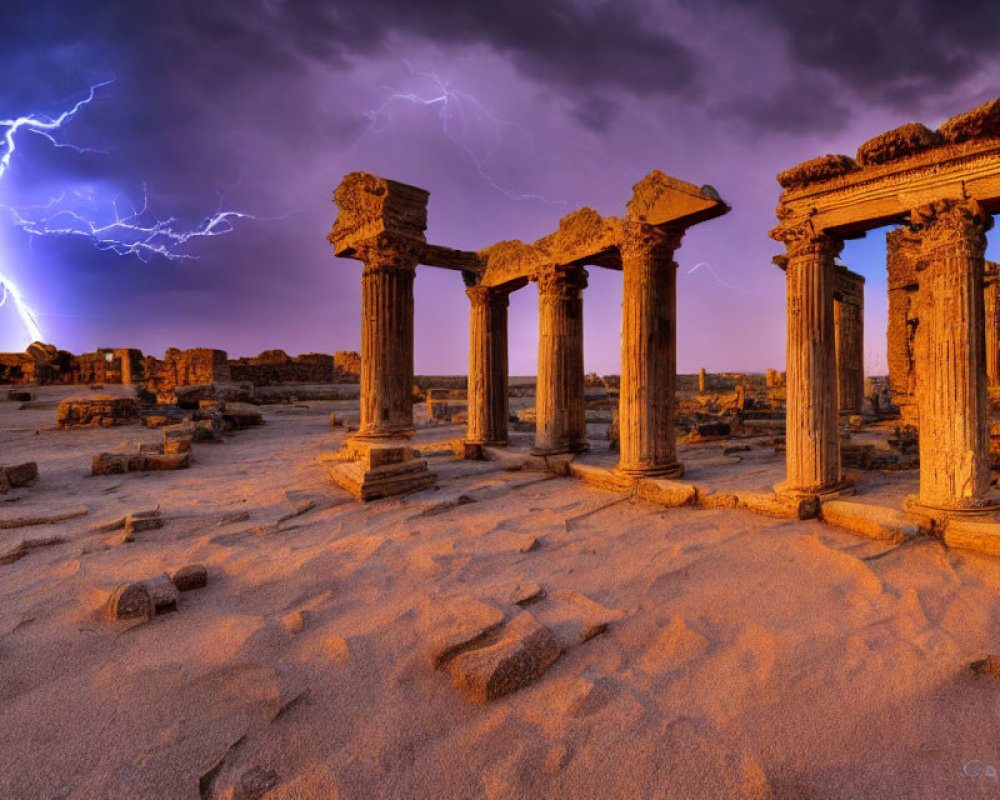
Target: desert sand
(743, 656)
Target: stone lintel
(880, 194)
(659, 199)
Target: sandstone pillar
(991, 295)
(559, 402)
(487, 369)
(702, 381)
(649, 354)
(387, 342)
(850, 346)
(812, 440)
(902, 251)
(951, 358)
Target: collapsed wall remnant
(944, 186)
(382, 222)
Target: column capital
(488, 295)
(385, 253)
(559, 281)
(951, 224)
(640, 237)
(801, 238)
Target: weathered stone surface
(97, 411)
(776, 505)
(980, 536)
(130, 601)
(659, 199)
(255, 783)
(981, 122)
(17, 476)
(667, 492)
(877, 522)
(193, 576)
(900, 142)
(238, 416)
(456, 623)
(162, 593)
(574, 618)
(369, 206)
(19, 396)
(816, 169)
(525, 650)
(109, 464)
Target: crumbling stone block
(525, 650)
(97, 411)
(130, 601)
(17, 476)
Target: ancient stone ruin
(381, 223)
(942, 186)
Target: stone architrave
(812, 416)
(951, 357)
(560, 424)
(649, 353)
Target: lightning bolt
(134, 232)
(458, 112)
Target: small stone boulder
(525, 650)
(129, 601)
(162, 593)
(193, 576)
(17, 476)
(457, 623)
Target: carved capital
(638, 239)
(564, 283)
(385, 253)
(481, 296)
(801, 239)
(956, 225)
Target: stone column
(560, 425)
(812, 453)
(487, 368)
(702, 380)
(649, 353)
(901, 261)
(991, 295)
(951, 357)
(848, 318)
(387, 341)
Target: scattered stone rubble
(142, 600)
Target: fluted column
(849, 325)
(487, 367)
(387, 340)
(812, 454)
(560, 425)
(951, 358)
(649, 353)
(991, 305)
(902, 252)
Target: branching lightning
(458, 113)
(136, 231)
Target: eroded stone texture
(487, 393)
(97, 411)
(849, 310)
(951, 369)
(560, 424)
(991, 313)
(900, 142)
(813, 443)
(646, 435)
(902, 248)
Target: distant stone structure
(944, 185)
(381, 223)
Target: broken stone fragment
(525, 650)
(574, 618)
(987, 667)
(772, 505)
(255, 783)
(237, 416)
(193, 576)
(129, 601)
(142, 521)
(109, 464)
(17, 476)
(162, 593)
(97, 411)
(456, 624)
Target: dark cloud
(790, 109)
(899, 53)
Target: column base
(636, 473)
(942, 512)
(476, 451)
(580, 447)
(844, 488)
(369, 470)
(384, 436)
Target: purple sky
(511, 114)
